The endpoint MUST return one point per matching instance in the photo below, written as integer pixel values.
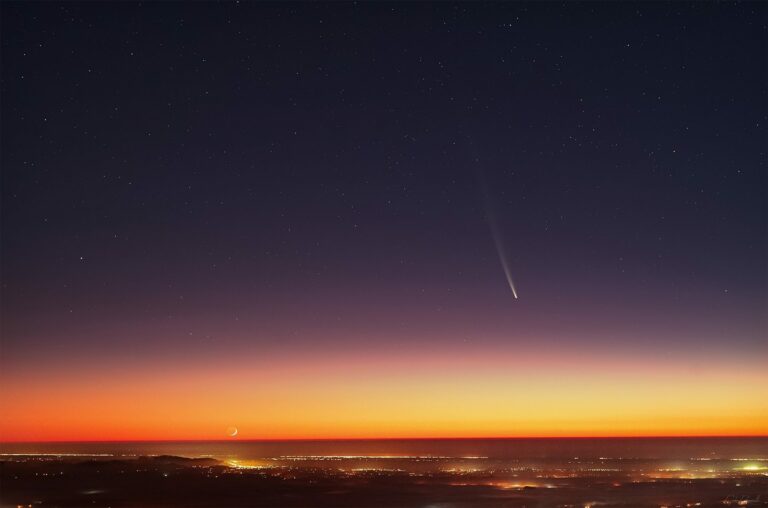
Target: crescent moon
(232, 431)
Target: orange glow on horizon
(348, 397)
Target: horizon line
(465, 438)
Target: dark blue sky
(184, 174)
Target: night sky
(280, 217)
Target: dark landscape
(392, 480)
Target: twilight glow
(460, 392)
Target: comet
(498, 242)
(494, 227)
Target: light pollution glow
(354, 396)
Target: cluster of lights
(235, 464)
(388, 457)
